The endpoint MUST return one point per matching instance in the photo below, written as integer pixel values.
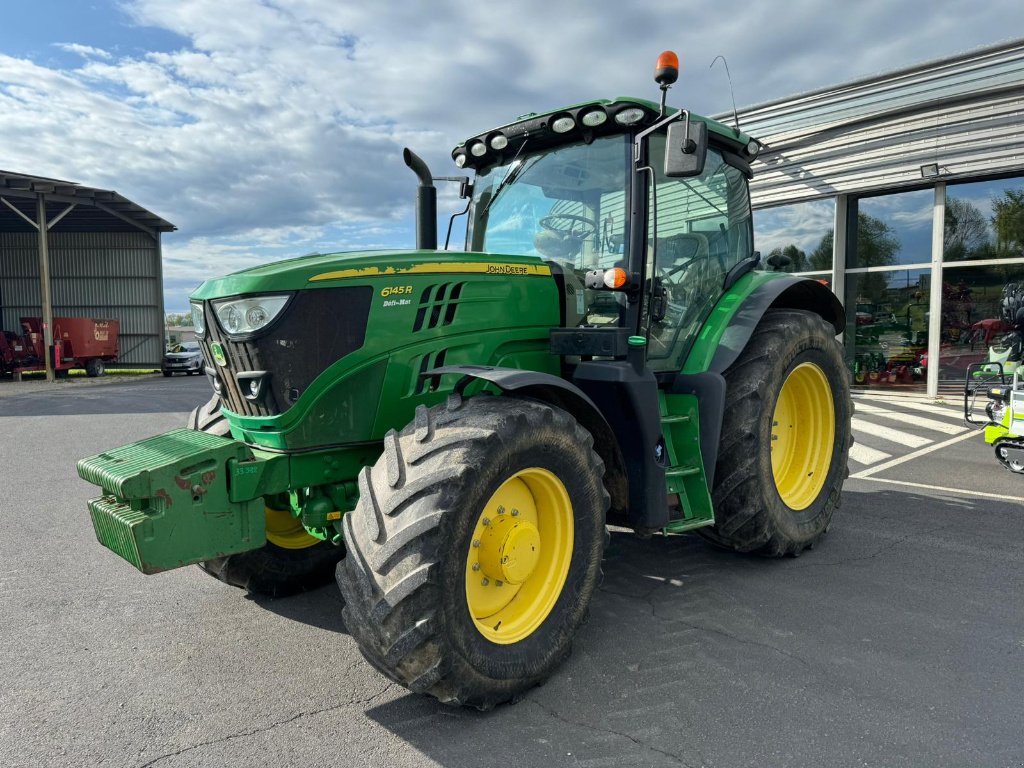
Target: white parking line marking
(906, 418)
(913, 405)
(961, 491)
(864, 455)
(892, 435)
(864, 473)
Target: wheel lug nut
(501, 510)
(485, 581)
(499, 583)
(515, 513)
(487, 521)
(476, 566)
(476, 542)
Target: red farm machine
(78, 342)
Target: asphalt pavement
(898, 641)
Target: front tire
(475, 548)
(297, 563)
(94, 368)
(785, 439)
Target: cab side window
(703, 229)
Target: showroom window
(886, 306)
(887, 344)
(891, 230)
(983, 277)
(796, 238)
(984, 220)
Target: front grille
(318, 328)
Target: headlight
(629, 116)
(248, 315)
(198, 320)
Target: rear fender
(781, 293)
(714, 352)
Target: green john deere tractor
(451, 431)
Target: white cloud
(803, 225)
(86, 51)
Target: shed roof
(91, 209)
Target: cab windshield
(566, 204)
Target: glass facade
(980, 318)
(984, 220)
(798, 237)
(887, 322)
(891, 229)
(893, 329)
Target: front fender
(561, 394)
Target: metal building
(904, 191)
(74, 251)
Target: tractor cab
(644, 210)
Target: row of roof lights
(563, 123)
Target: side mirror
(685, 152)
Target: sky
(266, 129)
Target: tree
(877, 244)
(821, 257)
(797, 259)
(1008, 222)
(965, 233)
(173, 320)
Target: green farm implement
(449, 432)
(1004, 410)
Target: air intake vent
(428, 363)
(437, 306)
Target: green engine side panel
(428, 309)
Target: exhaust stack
(426, 202)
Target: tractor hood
(349, 331)
(322, 270)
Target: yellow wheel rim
(286, 531)
(519, 556)
(803, 435)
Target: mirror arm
(638, 140)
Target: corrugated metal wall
(93, 274)
(966, 115)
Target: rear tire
(788, 389)
(94, 368)
(270, 570)
(433, 600)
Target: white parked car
(186, 357)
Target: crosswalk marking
(914, 455)
(862, 454)
(918, 421)
(885, 433)
(920, 434)
(913, 405)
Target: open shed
(75, 251)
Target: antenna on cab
(735, 116)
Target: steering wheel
(586, 229)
